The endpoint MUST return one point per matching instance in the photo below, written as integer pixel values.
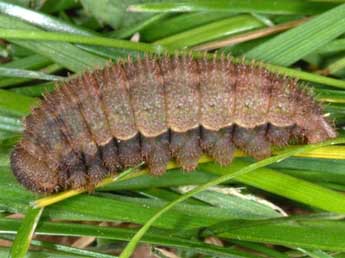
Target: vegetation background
(285, 206)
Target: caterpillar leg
(279, 136)
(130, 152)
(218, 144)
(253, 141)
(110, 157)
(185, 147)
(156, 153)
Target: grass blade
(211, 31)
(91, 40)
(32, 62)
(38, 19)
(21, 73)
(268, 6)
(180, 23)
(15, 104)
(22, 241)
(290, 231)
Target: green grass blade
(211, 31)
(39, 19)
(335, 67)
(126, 253)
(290, 46)
(22, 241)
(321, 234)
(21, 73)
(15, 104)
(66, 37)
(11, 81)
(42, 254)
(268, 6)
(333, 96)
(307, 76)
(180, 23)
(11, 124)
(261, 248)
(51, 6)
(32, 62)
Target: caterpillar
(159, 108)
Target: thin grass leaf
(211, 31)
(21, 73)
(290, 46)
(41, 254)
(11, 124)
(22, 241)
(126, 253)
(52, 6)
(335, 67)
(290, 231)
(91, 40)
(268, 6)
(39, 19)
(261, 248)
(333, 96)
(180, 23)
(45, 72)
(306, 76)
(15, 104)
(32, 62)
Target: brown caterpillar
(155, 109)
